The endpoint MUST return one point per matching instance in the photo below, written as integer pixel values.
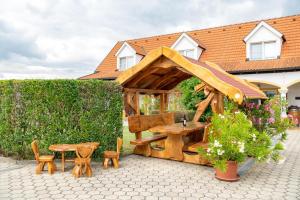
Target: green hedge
(58, 111)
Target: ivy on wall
(58, 111)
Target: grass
(128, 136)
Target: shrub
(267, 116)
(58, 111)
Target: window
(263, 50)
(125, 62)
(270, 50)
(188, 53)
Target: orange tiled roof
(138, 49)
(224, 46)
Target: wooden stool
(113, 155)
(42, 160)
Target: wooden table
(62, 148)
(175, 132)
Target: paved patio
(150, 178)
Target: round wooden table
(62, 148)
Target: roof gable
(265, 25)
(163, 68)
(124, 46)
(194, 42)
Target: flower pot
(230, 174)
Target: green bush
(190, 98)
(58, 111)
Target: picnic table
(62, 148)
(174, 143)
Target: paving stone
(150, 178)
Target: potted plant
(232, 139)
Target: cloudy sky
(68, 38)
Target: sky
(51, 39)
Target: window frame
(126, 62)
(263, 55)
(184, 52)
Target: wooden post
(162, 103)
(166, 101)
(137, 103)
(221, 103)
(138, 135)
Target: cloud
(67, 39)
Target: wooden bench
(191, 154)
(140, 123)
(148, 140)
(193, 147)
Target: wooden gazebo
(160, 71)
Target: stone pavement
(151, 178)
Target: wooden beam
(202, 106)
(144, 74)
(165, 63)
(199, 87)
(146, 91)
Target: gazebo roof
(164, 68)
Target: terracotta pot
(230, 174)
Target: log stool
(113, 155)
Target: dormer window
(263, 42)
(188, 53)
(125, 62)
(188, 46)
(129, 55)
(263, 50)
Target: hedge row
(58, 111)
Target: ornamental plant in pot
(232, 139)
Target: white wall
(293, 91)
(286, 81)
(126, 51)
(280, 79)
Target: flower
(208, 150)
(241, 147)
(217, 144)
(221, 116)
(253, 137)
(271, 120)
(220, 152)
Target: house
(265, 52)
